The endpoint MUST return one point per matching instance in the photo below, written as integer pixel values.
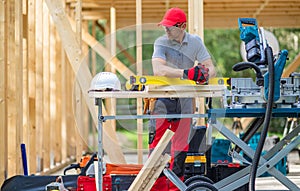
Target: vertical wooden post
(39, 82)
(139, 65)
(111, 102)
(26, 118)
(58, 93)
(3, 103)
(85, 109)
(195, 24)
(14, 85)
(94, 71)
(52, 70)
(46, 88)
(78, 97)
(19, 79)
(31, 80)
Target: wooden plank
(83, 75)
(111, 45)
(31, 80)
(78, 97)
(144, 178)
(46, 88)
(52, 96)
(19, 79)
(12, 118)
(196, 26)
(163, 93)
(3, 90)
(39, 83)
(58, 93)
(79, 122)
(139, 69)
(26, 118)
(85, 109)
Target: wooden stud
(14, 88)
(111, 44)
(78, 97)
(26, 118)
(58, 93)
(46, 89)
(139, 69)
(196, 24)
(39, 83)
(52, 98)
(19, 79)
(31, 81)
(3, 90)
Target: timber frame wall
(43, 104)
(38, 105)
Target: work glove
(198, 73)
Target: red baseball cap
(172, 17)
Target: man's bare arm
(160, 68)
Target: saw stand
(156, 163)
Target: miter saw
(245, 93)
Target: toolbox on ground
(219, 171)
(194, 164)
(219, 151)
(113, 182)
(117, 177)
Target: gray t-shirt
(182, 56)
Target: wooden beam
(145, 178)
(39, 83)
(26, 118)
(31, 81)
(46, 88)
(52, 96)
(83, 75)
(78, 97)
(3, 91)
(292, 67)
(139, 69)
(14, 85)
(58, 93)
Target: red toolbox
(118, 177)
(86, 183)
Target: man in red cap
(174, 56)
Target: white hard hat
(105, 81)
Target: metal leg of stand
(100, 144)
(242, 177)
(174, 179)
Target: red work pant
(177, 149)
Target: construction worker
(174, 56)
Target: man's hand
(198, 73)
